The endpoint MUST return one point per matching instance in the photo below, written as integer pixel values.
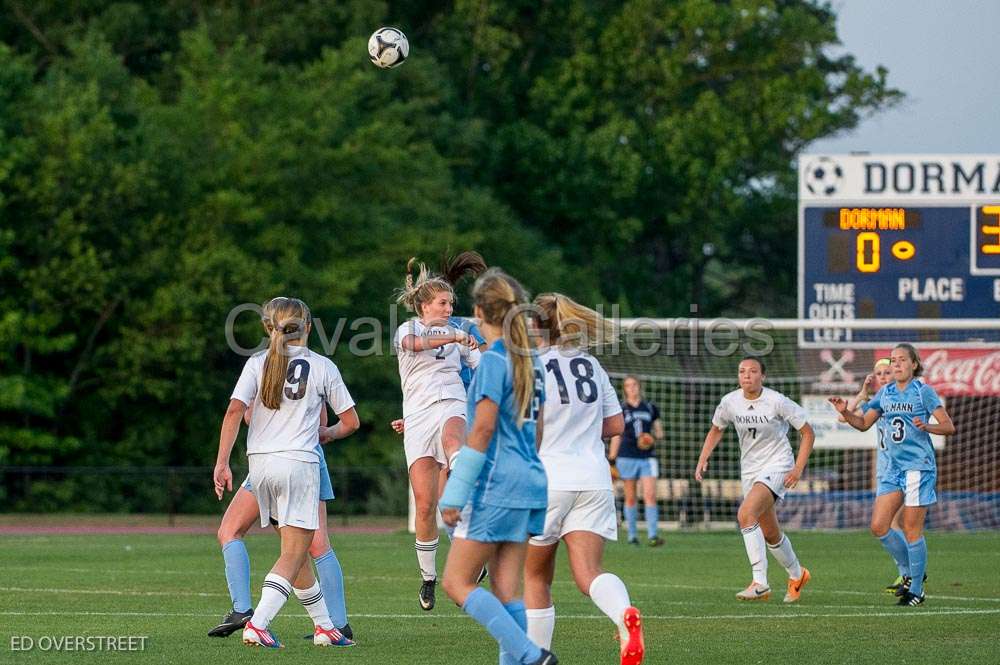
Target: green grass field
(171, 588)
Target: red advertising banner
(959, 372)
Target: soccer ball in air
(823, 176)
(388, 47)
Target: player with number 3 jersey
(761, 417)
(905, 407)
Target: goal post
(685, 366)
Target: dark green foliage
(163, 162)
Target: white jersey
(762, 428)
(433, 375)
(579, 396)
(312, 380)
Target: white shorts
(423, 430)
(287, 490)
(773, 479)
(587, 510)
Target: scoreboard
(897, 237)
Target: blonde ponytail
(416, 292)
(285, 319)
(571, 324)
(501, 299)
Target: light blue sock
(331, 581)
(631, 520)
(484, 607)
(918, 565)
(234, 553)
(515, 608)
(895, 545)
(652, 520)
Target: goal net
(685, 366)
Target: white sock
(541, 625)
(272, 598)
(611, 597)
(785, 555)
(426, 558)
(756, 552)
(312, 600)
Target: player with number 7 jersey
(768, 469)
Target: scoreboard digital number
(878, 239)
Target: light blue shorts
(631, 468)
(492, 524)
(325, 486)
(917, 486)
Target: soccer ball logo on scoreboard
(824, 176)
(898, 238)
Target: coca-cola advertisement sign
(960, 372)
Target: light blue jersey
(882, 457)
(467, 326)
(908, 447)
(513, 475)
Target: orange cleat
(755, 592)
(795, 586)
(634, 649)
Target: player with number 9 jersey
(289, 387)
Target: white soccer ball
(824, 176)
(388, 47)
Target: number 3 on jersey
(898, 432)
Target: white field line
(379, 578)
(128, 592)
(588, 617)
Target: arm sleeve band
(464, 474)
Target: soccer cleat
(330, 638)
(345, 631)
(911, 600)
(256, 637)
(755, 592)
(633, 541)
(795, 586)
(655, 541)
(426, 595)
(482, 575)
(231, 623)
(904, 588)
(634, 649)
(895, 586)
(548, 658)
